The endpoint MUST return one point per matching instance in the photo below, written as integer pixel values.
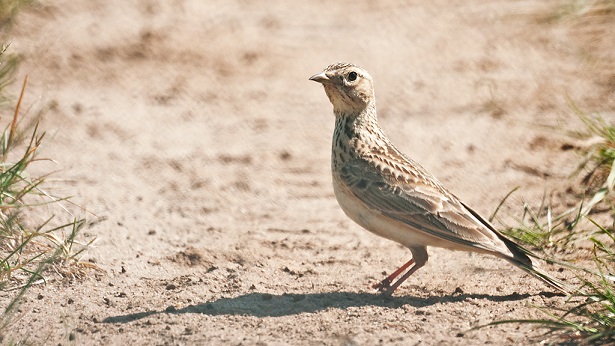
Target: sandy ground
(189, 131)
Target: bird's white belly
(377, 223)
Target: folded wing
(423, 204)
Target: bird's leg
(390, 289)
(384, 285)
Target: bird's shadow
(270, 305)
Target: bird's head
(349, 87)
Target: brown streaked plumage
(392, 196)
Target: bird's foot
(383, 286)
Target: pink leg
(384, 285)
(389, 290)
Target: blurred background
(188, 134)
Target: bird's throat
(353, 124)
(354, 135)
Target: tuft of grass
(28, 249)
(22, 246)
(589, 314)
(599, 158)
(542, 228)
(591, 318)
(18, 246)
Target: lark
(392, 196)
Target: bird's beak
(320, 78)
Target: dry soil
(190, 133)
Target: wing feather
(422, 203)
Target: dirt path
(193, 132)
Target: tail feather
(522, 260)
(548, 279)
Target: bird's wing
(420, 202)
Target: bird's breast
(374, 221)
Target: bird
(392, 196)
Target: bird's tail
(522, 260)
(550, 280)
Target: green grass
(541, 229)
(599, 159)
(589, 314)
(28, 248)
(22, 246)
(37, 232)
(549, 231)
(588, 317)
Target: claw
(383, 285)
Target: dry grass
(28, 248)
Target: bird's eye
(352, 76)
